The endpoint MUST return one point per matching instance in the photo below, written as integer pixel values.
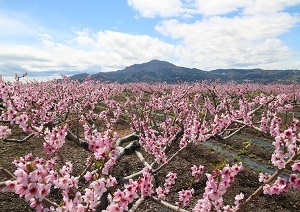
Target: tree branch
(6, 173)
(235, 132)
(19, 141)
(82, 143)
(85, 170)
(171, 158)
(4, 121)
(166, 204)
(128, 138)
(126, 179)
(2, 185)
(134, 175)
(141, 158)
(128, 150)
(270, 180)
(137, 204)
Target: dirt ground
(246, 181)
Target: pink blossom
(4, 132)
(99, 186)
(281, 183)
(88, 176)
(267, 189)
(160, 192)
(111, 181)
(296, 167)
(196, 172)
(34, 204)
(31, 191)
(185, 196)
(114, 208)
(64, 182)
(22, 177)
(263, 177)
(20, 189)
(9, 186)
(90, 198)
(238, 199)
(44, 190)
(130, 195)
(294, 181)
(22, 120)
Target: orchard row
(159, 116)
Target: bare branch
(235, 132)
(170, 159)
(126, 179)
(2, 185)
(141, 157)
(61, 157)
(137, 204)
(128, 150)
(77, 127)
(19, 141)
(82, 143)
(254, 127)
(103, 202)
(128, 138)
(166, 204)
(134, 175)
(4, 121)
(6, 173)
(85, 170)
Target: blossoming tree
(161, 117)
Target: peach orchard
(159, 116)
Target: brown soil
(246, 181)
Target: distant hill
(161, 71)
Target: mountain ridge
(156, 71)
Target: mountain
(161, 71)
(258, 75)
(153, 72)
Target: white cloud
(267, 6)
(245, 27)
(219, 7)
(101, 51)
(12, 23)
(231, 42)
(152, 8)
(202, 36)
(128, 46)
(9, 24)
(84, 38)
(188, 8)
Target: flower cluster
(34, 178)
(216, 186)
(285, 147)
(145, 184)
(121, 199)
(169, 182)
(4, 132)
(184, 197)
(54, 139)
(197, 172)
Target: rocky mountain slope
(161, 71)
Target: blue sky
(47, 38)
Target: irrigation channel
(252, 163)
